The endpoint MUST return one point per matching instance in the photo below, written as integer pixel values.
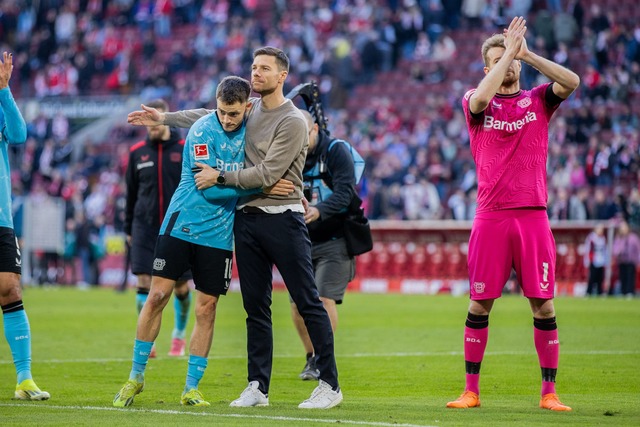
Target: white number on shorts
(545, 271)
(227, 268)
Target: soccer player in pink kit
(508, 127)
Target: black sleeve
(341, 170)
(131, 181)
(550, 98)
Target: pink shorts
(516, 238)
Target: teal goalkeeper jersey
(206, 217)
(13, 130)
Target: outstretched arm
(14, 129)
(148, 116)
(151, 117)
(185, 118)
(491, 83)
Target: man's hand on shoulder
(148, 116)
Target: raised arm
(148, 116)
(15, 128)
(185, 118)
(490, 84)
(564, 80)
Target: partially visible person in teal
(16, 324)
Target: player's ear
(486, 70)
(248, 107)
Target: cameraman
(330, 190)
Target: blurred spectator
(595, 259)
(162, 12)
(626, 250)
(421, 200)
(634, 210)
(578, 205)
(444, 48)
(604, 208)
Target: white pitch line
(346, 356)
(211, 414)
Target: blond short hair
(496, 40)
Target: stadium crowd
(419, 165)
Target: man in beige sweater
(270, 230)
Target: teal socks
(195, 372)
(18, 335)
(141, 350)
(181, 305)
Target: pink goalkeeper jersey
(509, 143)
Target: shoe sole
(563, 408)
(195, 405)
(128, 402)
(248, 406)
(21, 395)
(308, 377)
(331, 405)
(463, 407)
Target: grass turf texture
(399, 357)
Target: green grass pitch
(399, 358)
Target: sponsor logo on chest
(491, 122)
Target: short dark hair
(159, 104)
(281, 58)
(233, 89)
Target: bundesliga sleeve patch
(200, 151)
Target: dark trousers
(261, 241)
(627, 278)
(596, 278)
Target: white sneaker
(251, 396)
(323, 397)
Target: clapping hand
(514, 41)
(6, 67)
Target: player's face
(231, 115)
(265, 75)
(513, 73)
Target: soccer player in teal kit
(13, 130)
(508, 128)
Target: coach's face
(266, 77)
(513, 72)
